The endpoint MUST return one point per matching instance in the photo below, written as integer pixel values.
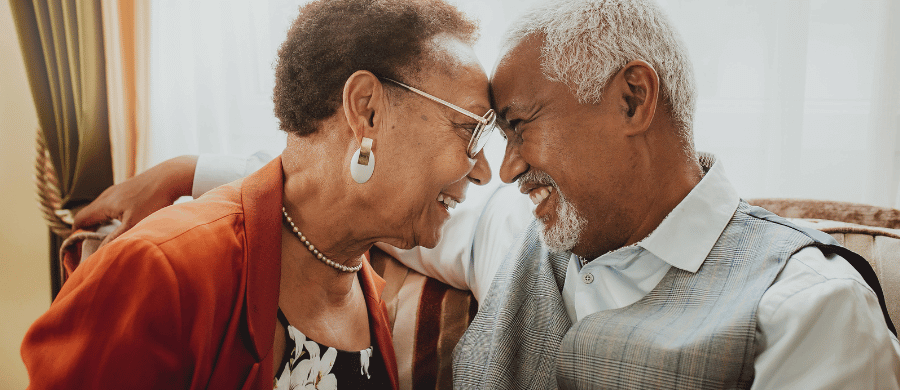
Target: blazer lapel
(261, 195)
(372, 286)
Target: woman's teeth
(447, 201)
(538, 195)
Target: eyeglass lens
(481, 134)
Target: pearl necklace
(315, 252)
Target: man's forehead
(514, 80)
(516, 56)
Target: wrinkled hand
(142, 195)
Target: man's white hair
(587, 41)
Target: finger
(94, 213)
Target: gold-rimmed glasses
(483, 130)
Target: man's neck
(667, 182)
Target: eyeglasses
(482, 131)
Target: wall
(24, 269)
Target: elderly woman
(265, 281)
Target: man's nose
(513, 164)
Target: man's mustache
(534, 176)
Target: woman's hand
(142, 195)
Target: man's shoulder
(821, 266)
(810, 268)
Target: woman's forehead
(464, 85)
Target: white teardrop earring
(362, 164)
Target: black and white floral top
(310, 365)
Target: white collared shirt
(683, 240)
(819, 325)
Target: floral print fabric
(311, 365)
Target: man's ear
(363, 103)
(638, 86)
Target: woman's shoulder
(209, 218)
(202, 245)
(196, 236)
(208, 264)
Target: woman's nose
(481, 173)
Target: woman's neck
(330, 211)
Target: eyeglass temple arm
(442, 101)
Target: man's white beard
(563, 235)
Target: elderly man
(643, 268)
(672, 281)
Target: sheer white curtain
(212, 76)
(798, 98)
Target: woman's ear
(638, 86)
(363, 103)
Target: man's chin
(562, 228)
(551, 238)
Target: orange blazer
(185, 300)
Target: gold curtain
(62, 45)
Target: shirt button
(588, 278)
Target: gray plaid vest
(693, 331)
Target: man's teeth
(538, 195)
(447, 201)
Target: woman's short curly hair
(332, 39)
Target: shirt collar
(688, 233)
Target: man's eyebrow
(512, 106)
